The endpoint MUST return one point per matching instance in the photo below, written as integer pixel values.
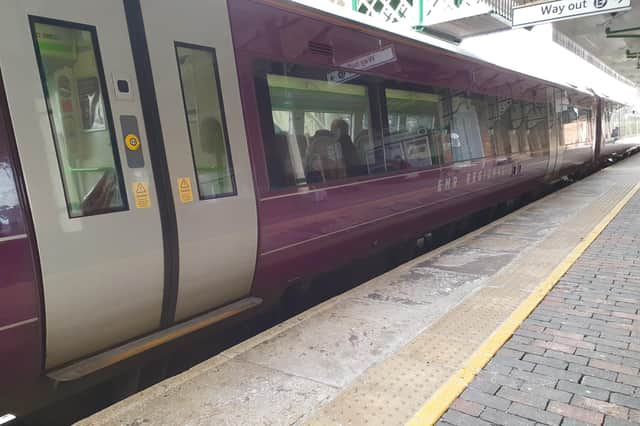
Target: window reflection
(519, 127)
(537, 135)
(321, 129)
(8, 198)
(576, 125)
(316, 130)
(619, 122)
(414, 129)
(466, 139)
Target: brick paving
(576, 359)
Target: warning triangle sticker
(141, 195)
(184, 190)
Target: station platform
(532, 319)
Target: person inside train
(615, 133)
(324, 159)
(340, 129)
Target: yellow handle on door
(132, 141)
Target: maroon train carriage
(167, 164)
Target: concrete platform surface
(375, 354)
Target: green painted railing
(415, 10)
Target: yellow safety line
(440, 401)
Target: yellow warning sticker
(184, 189)
(141, 195)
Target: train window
(619, 123)
(74, 86)
(466, 137)
(611, 124)
(9, 204)
(507, 121)
(576, 125)
(518, 127)
(205, 117)
(415, 133)
(481, 104)
(610, 127)
(584, 126)
(317, 129)
(537, 134)
(320, 130)
(629, 123)
(569, 119)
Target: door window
(74, 87)
(206, 120)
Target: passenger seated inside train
(331, 155)
(340, 130)
(324, 159)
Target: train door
(193, 65)
(69, 71)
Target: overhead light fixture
(6, 418)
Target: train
(166, 165)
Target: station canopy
(613, 38)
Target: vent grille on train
(320, 48)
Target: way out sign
(558, 10)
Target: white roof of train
(529, 52)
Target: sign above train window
(361, 63)
(559, 10)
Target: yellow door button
(132, 141)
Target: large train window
(537, 134)
(629, 123)
(584, 126)
(466, 129)
(319, 125)
(506, 120)
(315, 130)
(483, 112)
(415, 129)
(617, 122)
(429, 126)
(610, 127)
(518, 127)
(204, 111)
(576, 125)
(74, 86)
